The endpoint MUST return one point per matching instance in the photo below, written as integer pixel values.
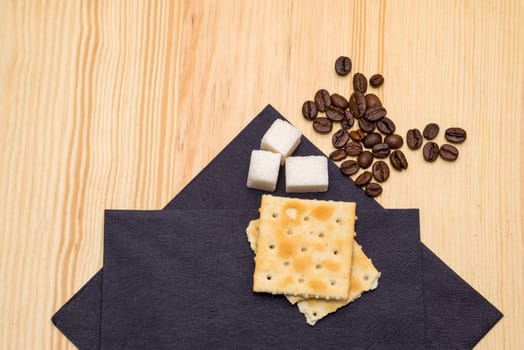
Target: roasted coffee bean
(337, 155)
(322, 125)
(398, 160)
(380, 171)
(357, 135)
(373, 189)
(343, 65)
(365, 159)
(353, 149)
(348, 120)
(335, 114)
(448, 152)
(372, 101)
(430, 151)
(357, 104)
(414, 138)
(375, 114)
(322, 100)
(431, 131)
(376, 80)
(360, 83)
(372, 139)
(340, 138)
(394, 141)
(339, 101)
(365, 125)
(349, 167)
(309, 110)
(381, 150)
(386, 126)
(364, 178)
(455, 135)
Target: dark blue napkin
(183, 278)
(456, 316)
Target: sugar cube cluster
(302, 174)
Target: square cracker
(364, 277)
(304, 247)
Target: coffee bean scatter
(367, 135)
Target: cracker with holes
(304, 247)
(364, 277)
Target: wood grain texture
(118, 104)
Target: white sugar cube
(263, 170)
(281, 137)
(307, 174)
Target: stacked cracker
(305, 249)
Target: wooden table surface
(118, 104)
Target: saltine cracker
(304, 247)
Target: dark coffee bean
(394, 141)
(340, 138)
(343, 65)
(348, 120)
(372, 139)
(364, 178)
(414, 138)
(455, 135)
(339, 101)
(322, 125)
(309, 110)
(335, 114)
(449, 152)
(381, 150)
(365, 125)
(360, 83)
(398, 160)
(373, 189)
(376, 80)
(349, 167)
(353, 149)
(357, 135)
(365, 159)
(386, 126)
(357, 104)
(380, 171)
(337, 155)
(431, 131)
(322, 100)
(375, 114)
(430, 151)
(372, 101)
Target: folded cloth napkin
(185, 277)
(456, 316)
